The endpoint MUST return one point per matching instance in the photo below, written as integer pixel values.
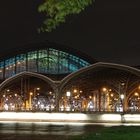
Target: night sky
(108, 31)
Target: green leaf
(56, 11)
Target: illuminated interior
(101, 90)
(27, 93)
(27, 84)
(46, 61)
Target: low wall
(70, 117)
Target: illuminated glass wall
(46, 61)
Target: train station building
(51, 77)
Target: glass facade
(46, 61)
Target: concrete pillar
(108, 103)
(99, 101)
(94, 102)
(125, 105)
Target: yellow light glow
(67, 117)
(111, 94)
(132, 118)
(75, 97)
(8, 90)
(90, 97)
(43, 116)
(122, 84)
(38, 88)
(104, 89)
(136, 94)
(31, 93)
(110, 90)
(111, 117)
(122, 96)
(75, 90)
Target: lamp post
(30, 100)
(36, 89)
(122, 102)
(104, 100)
(122, 92)
(68, 94)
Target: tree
(56, 11)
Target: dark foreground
(66, 131)
(43, 131)
(113, 133)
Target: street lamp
(111, 94)
(104, 89)
(8, 90)
(36, 89)
(122, 103)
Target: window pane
(20, 63)
(9, 67)
(43, 61)
(32, 61)
(1, 69)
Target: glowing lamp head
(122, 96)
(68, 93)
(111, 95)
(3, 95)
(136, 94)
(75, 90)
(104, 89)
(90, 97)
(8, 90)
(123, 84)
(38, 88)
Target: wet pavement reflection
(43, 131)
